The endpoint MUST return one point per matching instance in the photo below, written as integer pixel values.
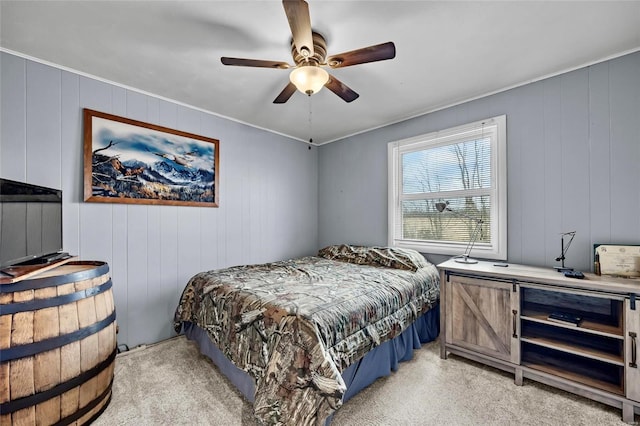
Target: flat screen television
(30, 223)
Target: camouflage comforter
(295, 325)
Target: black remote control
(574, 274)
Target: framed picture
(129, 161)
(618, 260)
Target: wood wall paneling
(552, 167)
(71, 161)
(169, 287)
(13, 83)
(119, 267)
(625, 148)
(516, 115)
(529, 125)
(572, 145)
(575, 164)
(137, 272)
(573, 156)
(600, 149)
(43, 125)
(154, 250)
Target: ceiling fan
(309, 51)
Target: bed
(301, 336)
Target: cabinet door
(482, 315)
(632, 356)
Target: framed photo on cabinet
(129, 161)
(618, 260)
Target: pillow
(390, 257)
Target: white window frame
(496, 127)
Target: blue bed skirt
(377, 363)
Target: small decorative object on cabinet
(57, 345)
(577, 335)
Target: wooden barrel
(57, 346)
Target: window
(464, 167)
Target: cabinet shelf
(588, 371)
(586, 325)
(579, 378)
(601, 315)
(575, 350)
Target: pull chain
(310, 123)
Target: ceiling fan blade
(379, 52)
(341, 89)
(254, 63)
(285, 94)
(297, 12)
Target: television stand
(22, 271)
(578, 335)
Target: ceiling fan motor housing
(319, 51)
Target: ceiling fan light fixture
(309, 53)
(309, 79)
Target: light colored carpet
(171, 383)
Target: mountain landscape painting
(128, 161)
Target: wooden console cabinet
(500, 316)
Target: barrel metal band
(90, 406)
(33, 305)
(30, 349)
(31, 400)
(101, 410)
(52, 281)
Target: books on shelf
(565, 318)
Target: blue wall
(268, 192)
(573, 148)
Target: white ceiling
(447, 52)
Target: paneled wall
(573, 147)
(573, 164)
(268, 192)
